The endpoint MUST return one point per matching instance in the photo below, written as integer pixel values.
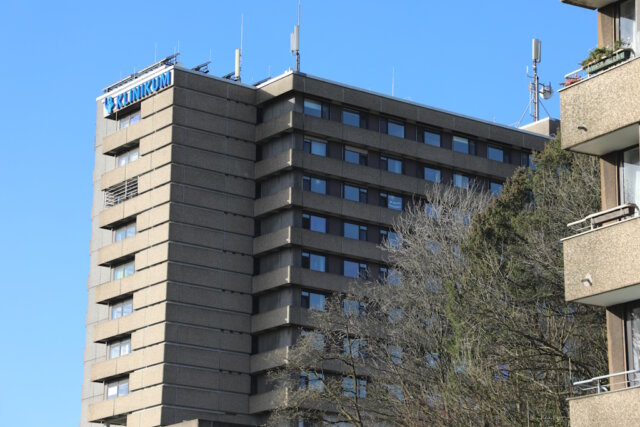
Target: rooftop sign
(132, 94)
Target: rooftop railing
(606, 383)
(598, 219)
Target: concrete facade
(600, 116)
(212, 299)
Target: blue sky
(469, 58)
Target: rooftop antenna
(536, 89)
(295, 40)
(239, 51)
(393, 80)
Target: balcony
(601, 112)
(590, 4)
(600, 261)
(608, 400)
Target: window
(430, 210)
(396, 353)
(355, 194)
(526, 159)
(313, 146)
(395, 314)
(460, 181)
(314, 223)
(391, 165)
(354, 269)
(496, 188)
(350, 391)
(431, 174)
(463, 145)
(311, 381)
(355, 347)
(497, 154)
(626, 23)
(394, 277)
(355, 156)
(127, 157)
(633, 340)
(432, 138)
(313, 261)
(117, 388)
(317, 339)
(121, 308)
(316, 108)
(315, 185)
(312, 300)
(353, 308)
(390, 237)
(351, 118)
(124, 232)
(391, 201)
(395, 129)
(119, 348)
(355, 231)
(629, 176)
(123, 270)
(128, 120)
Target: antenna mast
(239, 51)
(536, 89)
(295, 40)
(536, 46)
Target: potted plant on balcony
(601, 58)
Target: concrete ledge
(613, 409)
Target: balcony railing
(121, 192)
(598, 219)
(615, 58)
(606, 383)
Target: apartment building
(600, 110)
(223, 212)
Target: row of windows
(396, 128)
(350, 230)
(352, 192)
(390, 164)
(350, 268)
(359, 157)
(314, 381)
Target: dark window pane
(461, 145)
(351, 231)
(351, 118)
(351, 157)
(318, 224)
(460, 181)
(495, 153)
(496, 188)
(431, 174)
(353, 193)
(395, 129)
(317, 262)
(312, 108)
(394, 202)
(432, 138)
(394, 166)
(351, 269)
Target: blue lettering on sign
(112, 104)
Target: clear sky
(465, 56)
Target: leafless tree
(469, 326)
